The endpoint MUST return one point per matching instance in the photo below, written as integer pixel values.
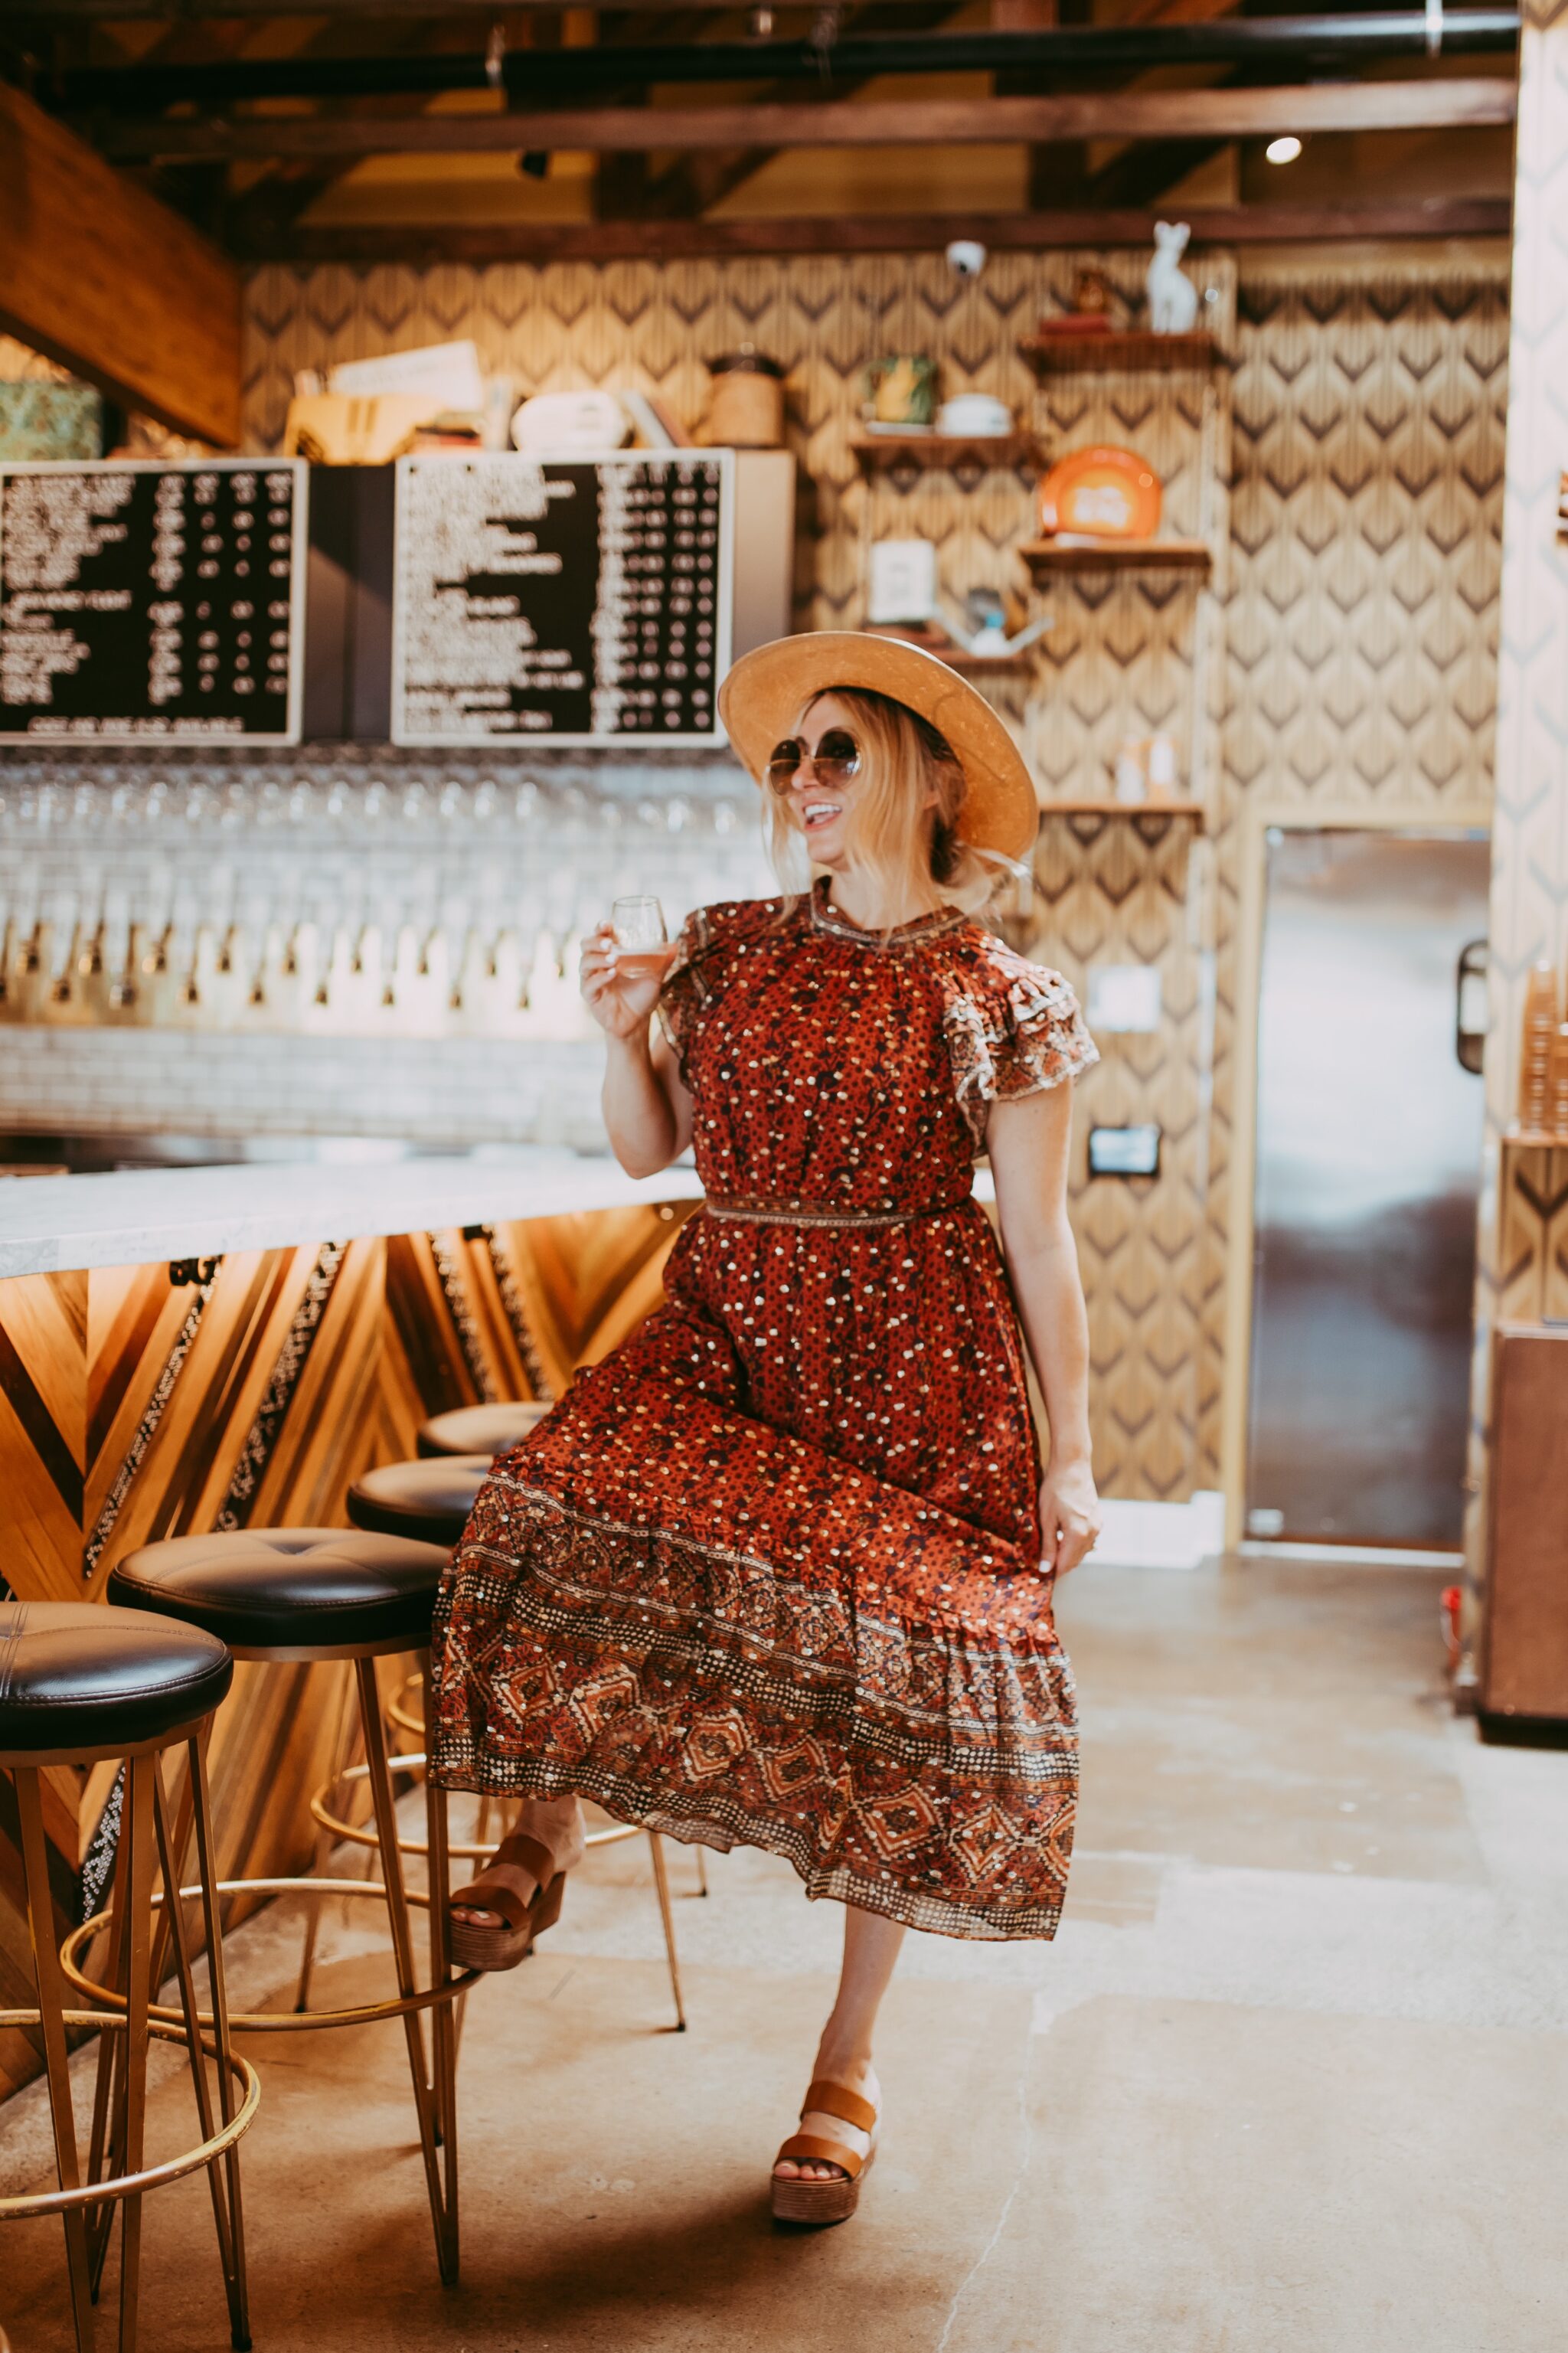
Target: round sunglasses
(835, 762)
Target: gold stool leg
(51, 2002)
(136, 1860)
(702, 1871)
(444, 2026)
(424, 2101)
(104, 2150)
(226, 2211)
(178, 1843)
(343, 1744)
(662, 1882)
(211, 1929)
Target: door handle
(1472, 1017)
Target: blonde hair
(908, 846)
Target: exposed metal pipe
(1230, 110)
(535, 77)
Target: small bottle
(1541, 1029)
(1556, 1119)
(1132, 783)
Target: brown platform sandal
(810, 2198)
(476, 1947)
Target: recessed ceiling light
(1285, 150)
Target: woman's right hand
(619, 1002)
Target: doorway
(1365, 1177)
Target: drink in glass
(643, 947)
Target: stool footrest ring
(461, 1850)
(259, 2022)
(152, 2177)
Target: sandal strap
(822, 2152)
(828, 2099)
(534, 1856)
(488, 1893)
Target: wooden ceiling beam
(34, 16)
(271, 205)
(697, 183)
(645, 239)
(96, 273)
(1439, 103)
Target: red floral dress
(768, 1574)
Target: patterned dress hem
(645, 1604)
(624, 1801)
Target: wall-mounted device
(1124, 1151)
(1124, 998)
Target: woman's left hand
(1069, 1515)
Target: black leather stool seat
(288, 1588)
(478, 1429)
(429, 1500)
(75, 1674)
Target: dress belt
(755, 1210)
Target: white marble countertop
(50, 1224)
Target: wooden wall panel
(134, 1407)
(185, 1406)
(444, 1370)
(99, 274)
(583, 1283)
(43, 1430)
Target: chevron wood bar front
(249, 1388)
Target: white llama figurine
(1173, 297)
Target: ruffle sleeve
(702, 954)
(1013, 1029)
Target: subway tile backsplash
(225, 944)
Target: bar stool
(79, 1684)
(431, 1499)
(490, 1429)
(298, 1595)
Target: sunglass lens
(783, 761)
(838, 756)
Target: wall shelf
(1045, 555)
(954, 452)
(1103, 806)
(1536, 1139)
(1081, 354)
(954, 655)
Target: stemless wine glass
(643, 947)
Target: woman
(778, 1571)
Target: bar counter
(50, 1225)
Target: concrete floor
(1292, 2080)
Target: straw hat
(762, 697)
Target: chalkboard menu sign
(160, 602)
(582, 600)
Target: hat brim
(765, 691)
